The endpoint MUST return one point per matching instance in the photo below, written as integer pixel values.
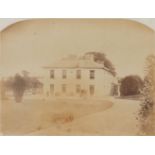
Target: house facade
(78, 77)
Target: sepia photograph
(77, 77)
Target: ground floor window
(78, 89)
(91, 90)
(64, 88)
(51, 89)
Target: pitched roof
(74, 62)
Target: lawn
(118, 119)
(34, 115)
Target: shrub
(131, 85)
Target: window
(92, 74)
(51, 89)
(91, 90)
(78, 74)
(64, 88)
(52, 74)
(78, 88)
(64, 74)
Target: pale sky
(30, 45)
(8, 21)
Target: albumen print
(79, 77)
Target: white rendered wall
(102, 82)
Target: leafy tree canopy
(102, 59)
(131, 85)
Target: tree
(18, 86)
(147, 111)
(35, 84)
(3, 89)
(19, 83)
(31, 82)
(102, 59)
(131, 85)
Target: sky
(4, 22)
(33, 44)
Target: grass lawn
(34, 115)
(119, 119)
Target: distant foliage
(102, 59)
(147, 111)
(18, 87)
(20, 83)
(131, 85)
(31, 82)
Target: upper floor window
(78, 74)
(52, 74)
(92, 74)
(64, 74)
